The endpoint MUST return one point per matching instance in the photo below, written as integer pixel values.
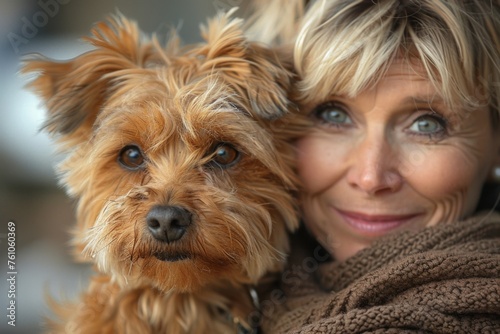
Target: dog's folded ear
(74, 91)
(258, 73)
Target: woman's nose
(375, 166)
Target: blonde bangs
(333, 55)
(349, 45)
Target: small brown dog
(181, 162)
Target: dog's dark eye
(225, 155)
(131, 158)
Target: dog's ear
(259, 73)
(74, 91)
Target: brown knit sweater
(443, 279)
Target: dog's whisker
(106, 246)
(134, 241)
(130, 268)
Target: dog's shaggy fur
(197, 137)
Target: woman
(404, 97)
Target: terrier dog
(180, 160)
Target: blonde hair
(274, 22)
(345, 46)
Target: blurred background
(29, 194)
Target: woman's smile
(375, 224)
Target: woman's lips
(374, 224)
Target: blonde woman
(400, 171)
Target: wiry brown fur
(175, 103)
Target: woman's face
(392, 158)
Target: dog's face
(176, 157)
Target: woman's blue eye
(428, 125)
(332, 114)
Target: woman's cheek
(319, 161)
(450, 178)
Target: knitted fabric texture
(443, 279)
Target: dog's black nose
(168, 223)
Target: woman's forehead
(406, 69)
